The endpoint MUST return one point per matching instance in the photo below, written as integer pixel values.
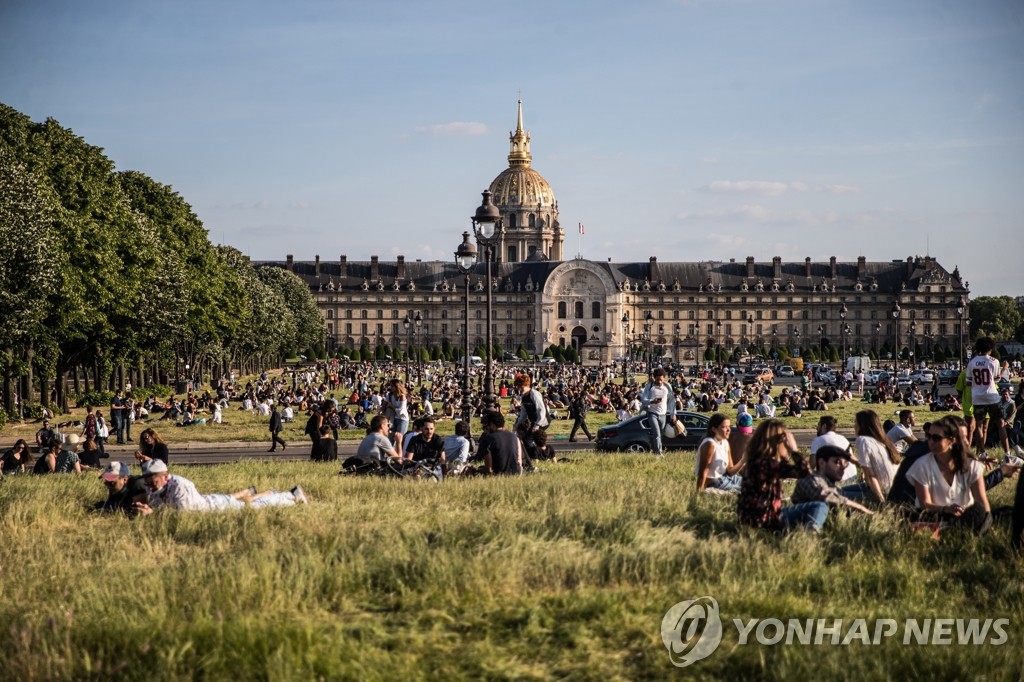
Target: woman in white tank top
(715, 467)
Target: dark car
(631, 435)
(948, 376)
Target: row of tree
(110, 276)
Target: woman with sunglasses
(949, 484)
(17, 459)
(772, 455)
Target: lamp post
(961, 308)
(930, 336)
(842, 328)
(487, 226)
(913, 330)
(625, 347)
(878, 330)
(649, 333)
(407, 323)
(895, 312)
(775, 335)
(718, 343)
(465, 259)
(750, 332)
(796, 333)
(678, 333)
(821, 342)
(417, 325)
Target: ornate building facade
(603, 309)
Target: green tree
(995, 316)
(310, 330)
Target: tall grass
(561, 574)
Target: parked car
(923, 376)
(631, 435)
(948, 376)
(875, 376)
(758, 374)
(785, 371)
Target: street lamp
(796, 333)
(678, 333)
(750, 332)
(843, 328)
(718, 343)
(417, 325)
(913, 330)
(775, 333)
(961, 308)
(625, 347)
(649, 333)
(895, 312)
(821, 342)
(407, 323)
(487, 226)
(465, 259)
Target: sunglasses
(937, 437)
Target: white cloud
(754, 213)
(708, 159)
(839, 189)
(455, 128)
(761, 187)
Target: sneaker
(300, 495)
(1013, 461)
(1018, 450)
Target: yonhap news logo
(692, 630)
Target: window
(330, 314)
(508, 314)
(366, 314)
(508, 329)
(533, 220)
(595, 310)
(512, 254)
(578, 309)
(479, 314)
(444, 329)
(511, 219)
(562, 314)
(380, 314)
(348, 328)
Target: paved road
(225, 453)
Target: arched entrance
(579, 339)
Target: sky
(690, 130)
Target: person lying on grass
(175, 492)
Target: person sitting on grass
(425, 445)
(175, 492)
(878, 456)
(376, 445)
(328, 445)
(457, 447)
(16, 460)
(949, 483)
(772, 455)
(123, 489)
(61, 459)
(151, 446)
(822, 485)
(715, 465)
(501, 450)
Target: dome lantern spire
(519, 143)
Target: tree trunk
(30, 354)
(8, 369)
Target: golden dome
(521, 186)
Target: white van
(476, 361)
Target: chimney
(653, 274)
(316, 266)
(861, 270)
(777, 267)
(832, 262)
(910, 266)
(343, 264)
(400, 274)
(374, 269)
(750, 267)
(807, 267)
(290, 262)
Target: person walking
(578, 408)
(658, 400)
(117, 415)
(276, 426)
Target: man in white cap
(175, 492)
(122, 489)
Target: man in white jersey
(982, 374)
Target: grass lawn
(564, 574)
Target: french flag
(581, 229)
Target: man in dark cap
(822, 485)
(122, 489)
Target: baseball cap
(153, 466)
(830, 451)
(114, 471)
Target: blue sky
(685, 129)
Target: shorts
(988, 411)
